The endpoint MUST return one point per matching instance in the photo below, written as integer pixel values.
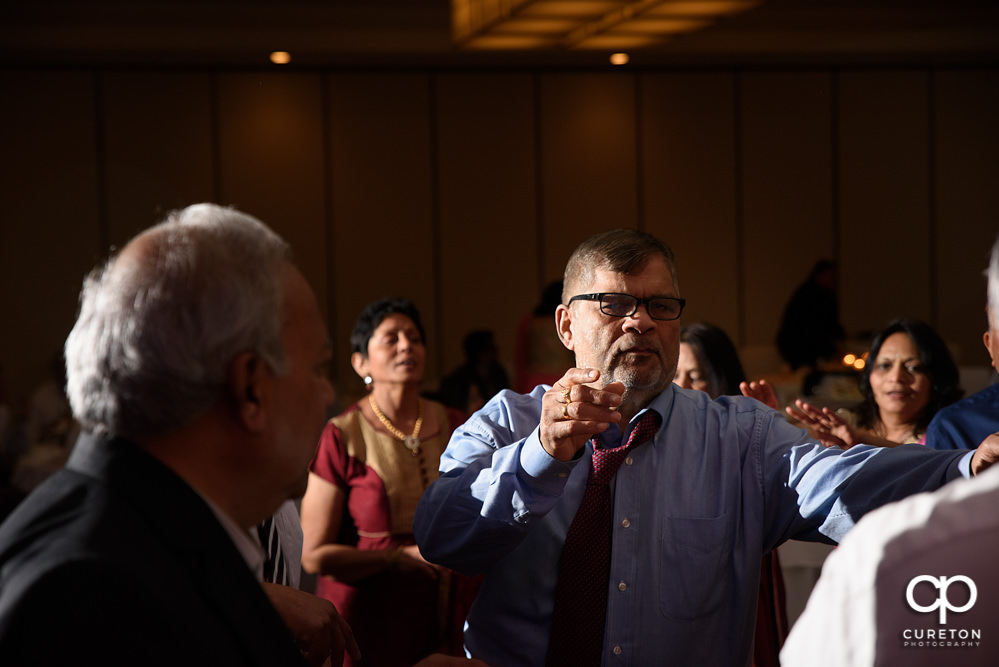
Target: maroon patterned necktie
(577, 634)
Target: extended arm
(827, 490)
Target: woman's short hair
(945, 381)
(157, 330)
(716, 356)
(372, 316)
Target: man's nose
(640, 320)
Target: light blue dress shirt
(721, 483)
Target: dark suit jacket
(115, 560)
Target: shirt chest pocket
(695, 557)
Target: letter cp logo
(942, 602)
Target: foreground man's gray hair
(160, 322)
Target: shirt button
(617, 650)
(628, 461)
(626, 523)
(622, 587)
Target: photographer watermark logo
(941, 602)
(942, 584)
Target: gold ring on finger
(565, 410)
(565, 395)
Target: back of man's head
(160, 322)
(618, 250)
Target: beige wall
(466, 191)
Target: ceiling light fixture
(582, 24)
(280, 57)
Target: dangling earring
(367, 382)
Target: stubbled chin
(642, 380)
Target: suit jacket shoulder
(115, 560)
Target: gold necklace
(881, 430)
(412, 441)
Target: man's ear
(247, 387)
(563, 325)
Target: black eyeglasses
(615, 304)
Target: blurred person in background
(810, 331)
(469, 386)
(539, 356)
(909, 376)
(374, 461)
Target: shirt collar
(614, 435)
(663, 404)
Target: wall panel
(787, 188)
(50, 229)
(689, 186)
(383, 235)
(488, 208)
(588, 160)
(966, 147)
(393, 182)
(159, 157)
(271, 160)
(885, 263)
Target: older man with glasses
(621, 520)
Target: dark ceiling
(401, 33)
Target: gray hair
(620, 251)
(160, 323)
(994, 288)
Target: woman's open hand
(831, 429)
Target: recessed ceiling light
(280, 57)
(619, 59)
